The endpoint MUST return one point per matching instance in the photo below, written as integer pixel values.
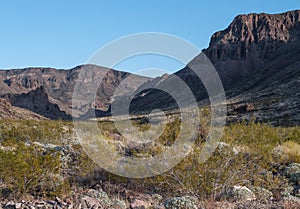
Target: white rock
(18, 205)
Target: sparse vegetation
(26, 170)
(14, 131)
(247, 156)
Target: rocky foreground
(108, 195)
(239, 197)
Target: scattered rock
(141, 201)
(18, 205)
(101, 196)
(238, 193)
(181, 203)
(88, 202)
(293, 199)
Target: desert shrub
(26, 170)
(208, 179)
(81, 165)
(14, 131)
(246, 160)
(292, 151)
(170, 133)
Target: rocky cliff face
(265, 31)
(258, 59)
(249, 43)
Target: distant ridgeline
(257, 57)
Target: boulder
(10, 205)
(239, 193)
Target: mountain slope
(53, 87)
(7, 111)
(251, 42)
(257, 58)
(37, 101)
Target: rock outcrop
(249, 43)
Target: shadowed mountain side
(257, 58)
(37, 101)
(7, 111)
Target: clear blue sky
(64, 34)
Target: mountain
(37, 101)
(48, 91)
(252, 42)
(7, 111)
(258, 60)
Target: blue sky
(64, 34)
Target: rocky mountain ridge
(250, 42)
(48, 91)
(257, 58)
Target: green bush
(26, 170)
(14, 131)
